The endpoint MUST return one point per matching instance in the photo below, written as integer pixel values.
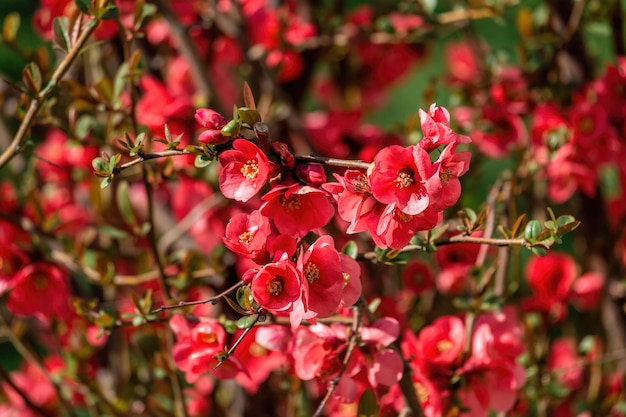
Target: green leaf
(120, 81)
(84, 125)
(532, 230)
(368, 407)
(249, 116)
(564, 220)
(232, 128)
(105, 182)
(32, 77)
(100, 165)
(538, 251)
(124, 205)
(351, 249)
(244, 298)
(568, 228)
(109, 12)
(114, 161)
(10, 27)
(247, 321)
(60, 28)
(113, 232)
(201, 161)
(83, 5)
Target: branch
(37, 101)
(205, 301)
(341, 163)
(155, 155)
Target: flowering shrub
(162, 254)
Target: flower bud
(312, 174)
(210, 119)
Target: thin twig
(213, 299)
(334, 383)
(341, 163)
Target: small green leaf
(538, 251)
(114, 161)
(100, 165)
(351, 249)
(109, 12)
(232, 128)
(201, 161)
(244, 298)
(84, 125)
(568, 227)
(532, 230)
(124, 204)
(565, 219)
(113, 232)
(551, 213)
(247, 321)
(32, 77)
(60, 27)
(10, 27)
(105, 182)
(471, 214)
(249, 116)
(83, 5)
(368, 407)
(120, 81)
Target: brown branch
(340, 163)
(213, 299)
(41, 96)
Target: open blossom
(323, 269)
(277, 286)
(493, 374)
(398, 175)
(247, 234)
(197, 346)
(439, 344)
(245, 170)
(296, 209)
(436, 129)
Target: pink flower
(244, 170)
(197, 346)
(247, 234)
(277, 286)
(439, 344)
(436, 129)
(321, 267)
(463, 64)
(444, 186)
(398, 176)
(296, 209)
(394, 228)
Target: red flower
(439, 345)
(296, 209)
(321, 267)
(398, 175)
(436, 129)
(550, 278)
(564, 363)
(444, 186)
(277, 286)
(41, 290)
(196, 348)
(586, 291)
(244, 170)
(418, 277)
(247, 234)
